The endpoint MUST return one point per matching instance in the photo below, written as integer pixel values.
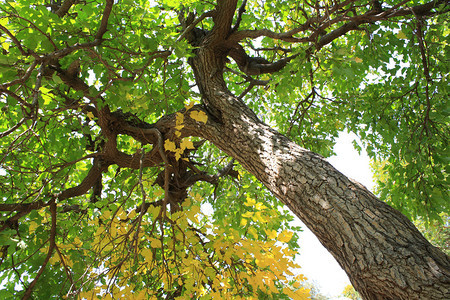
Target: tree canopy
(138, 139)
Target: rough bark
(382, 252)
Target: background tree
(102, 143)
(350, 293)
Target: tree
(102, 144)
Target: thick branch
(88, 182)
(64, 8)
(284, 36)
(256, 65)
(223, 20)
(104, 22)
(25, 207)
(194, 23)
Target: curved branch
(64, 8)
(241, 11)
(15, 96)
(353, 23)
(256, 65)
(98, 167)
(15, 40)
(284, 36)
(12, 129)
(104, 22)
(22, 79)
(374, 16)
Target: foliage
(350, 293)
(437, 232)
(91, 209)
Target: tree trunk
(381, 251)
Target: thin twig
(12, 129)
(29, 290)
(241, 11)
(144, 196)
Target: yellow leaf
(54, 259)
(265, 77)
(5, 45)
(197, 197)
(45, 95)
(158, 192)
(186, 144)
(154, 211)
(250, 202)
(4, 21)
(199, 116)
(189, 106)
(187, 203)
(285, 236)
(78, 242)
(106, 214)
(271, 234)
(170, 146)
(121, 214)
(260, 206)
(253, 232)
(195, 209)
(141, 295)
(177, 155)
(247, 214)
(132, 214)
(90, 115)
(155, 243)
(113, 231)
(401, 35)
(33, 226)
(358, 60)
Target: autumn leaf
(90, 115)
(170, 146)
(271, 234)
(45, 95)
(154, 243)
(189, 106)
(285, 236)
(186, 144)
(199, 116)
(401, 35)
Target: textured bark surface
(382, 252)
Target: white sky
(317, 264)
